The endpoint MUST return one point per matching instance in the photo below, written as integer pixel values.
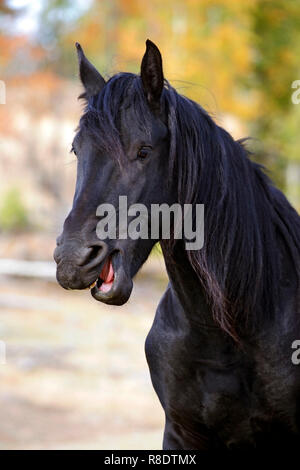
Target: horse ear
(152, 74)
(91, 79)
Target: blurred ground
(76, 376)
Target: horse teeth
(93, 285)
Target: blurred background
(75, 374)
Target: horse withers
(219, 350)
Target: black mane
(245, 215)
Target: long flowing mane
(246, 218)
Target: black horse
(220, 348)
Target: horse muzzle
(80, 267)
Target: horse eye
(143, 153)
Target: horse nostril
(84, 256)
(97, 253)
(93, 252)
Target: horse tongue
(107, 275)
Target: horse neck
(187, 287)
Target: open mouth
(113, 285)
(105, 280)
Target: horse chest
(238, 399)
(193, 391)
